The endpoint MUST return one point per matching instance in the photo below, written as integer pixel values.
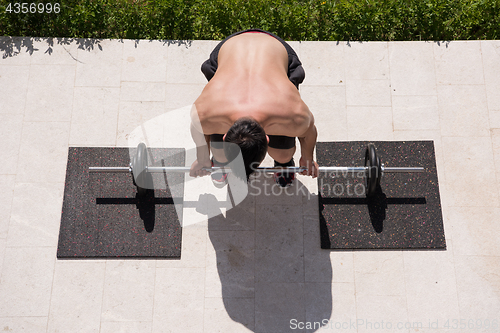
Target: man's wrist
(307, 157)
(202, 155)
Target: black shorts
(275, 141)
(296, 75)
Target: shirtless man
(252, 100)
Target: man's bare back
(251, 81)
(254, 75)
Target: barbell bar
(373, 168)
(260, 169)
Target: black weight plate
(139, 164)
(374, 172)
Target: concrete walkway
(256, 268)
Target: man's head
(251, 139)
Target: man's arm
(202, 142)
(307, 144)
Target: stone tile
(129, 290)
(179, 299)
(230, 264)
(379, 273)
(309, 190)
(180, 95)
(495, 139)
(328, 106)
(217, 208)
(279, 307)
(50, 93)
(176, 130)
(238, 218)
(321, 265)
(481, 313)
(229, 314)
(134, 116)
(369, 123)
(474, 230)
(370, 318)
(343, 289)
(415, 112)
(77, 294)
(330, 286)
(24, 324)
(144, 60)
(18, 50)
(267, 192)
(458, 62)
(412, 68)
(193, 252)
(368, 93)
(491, 61)
(54, 51)
(323, 63)
(43, 144)
(143, 91)
(184, 61)
(13, 88)
(477, 277)
(322, 99)
(469, 167)
(152, 123)
(196, 202)
(431, 311)
(433, 324)
(3, 245)
(279, 244)
(100, 65)
(464, 95)
(129, 326)
(35, 214)
(366, 61)
(430, 273)
(10, 135)
(26, 276)
(95, 116)
(463, 110)
(494, 119)
(331, 306)
(448, 234)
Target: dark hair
(251, 139)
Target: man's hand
(311, 165)
(197, 168)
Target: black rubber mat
(102, 215)
(405, 213)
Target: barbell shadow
(145, 204)
(377, 205)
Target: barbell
(373, 169)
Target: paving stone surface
(258, 267)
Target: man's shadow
(266, 257)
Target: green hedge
(353, 20)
